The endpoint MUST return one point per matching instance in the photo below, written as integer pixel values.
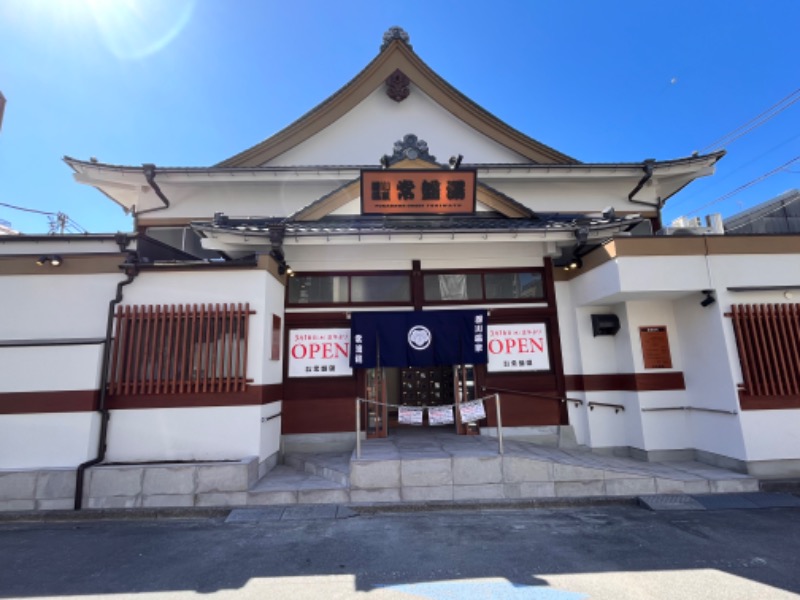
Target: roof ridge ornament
(395, 33)
(397, 86)
(411, 148)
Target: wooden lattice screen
(768, 339)
(179, 349)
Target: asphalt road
(614, 553)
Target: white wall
(46, 307)
(47, 440)
(397, 255)
(207, 433)
(370, 130)
(50, 368)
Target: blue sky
(191, 82)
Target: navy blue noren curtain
(418, 339)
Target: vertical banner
(319, 353)
(518, 347)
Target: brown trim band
(787, 402)
(626, 382)
(253, 396)
(72, 264)
(20, 403)
(17, 403)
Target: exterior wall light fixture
(455, 161)
(709, 299)
(53, 260)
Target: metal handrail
(697, 408)
(616, 407)
(577, 401)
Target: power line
(745, 186)
(755, 122)
(58, 221)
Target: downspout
(149, 170)
(647, 167)
(131, 269)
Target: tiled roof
(357, 224)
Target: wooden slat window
(768, 340)
(179, 349)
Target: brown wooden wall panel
(769, 402)
(319, 415)
(626, 382)
(768, 341)
(17, 403)
(179, 349)
(525, 411)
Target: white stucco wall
(370, 130)
(46, 307)
(215, 433)
(50, 440)
(397, 255)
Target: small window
(380, 288)
(318, 289)
(452, 287)
(514, 286)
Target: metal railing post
(499, 423)
(358, 427)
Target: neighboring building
(778, 216)
(397, 243)
(5, 228)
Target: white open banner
(518, 347)
(319, 353)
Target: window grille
(179, 349)
(768, 340)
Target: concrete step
(433, 476)
(334, 466)
(287, 485)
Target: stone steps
(477, 472)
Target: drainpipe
(131, 269)
(647, 167)
(149, 170)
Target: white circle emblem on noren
(419, 337)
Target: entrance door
(375, 408)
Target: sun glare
(138, 28)
(130, 29)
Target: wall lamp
(283, 268)
(709, 299)
(53, 260)
(455, 161)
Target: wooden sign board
(417, 192)
(655, 347)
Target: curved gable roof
(396, 55)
